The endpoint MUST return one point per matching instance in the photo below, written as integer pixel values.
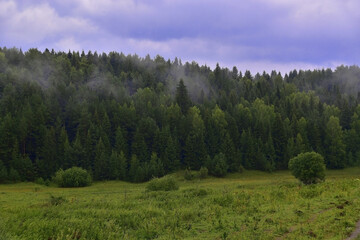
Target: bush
(188, 174)
(163, 184)
(203, 173)
(55, 201)
(308, 167)
(40, 181)
(72, 177)
(3, 172)
(221, 167)
(217, 166)
(14, 175)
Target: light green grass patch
(251, 205)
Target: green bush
(221, 167)
(308, 167)
(203, 173)
(40, 181)
(217, 166)
(72, 177)
(55, 201)
(188, 174)
(166, 183)
(13, 175)
(3, 172)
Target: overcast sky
(256, 34)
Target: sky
(257, 34)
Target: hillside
(131, 118)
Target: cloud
(68, 43)
(264, 33)
(36, 23)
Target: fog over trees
(132, 118)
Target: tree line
(132, 118)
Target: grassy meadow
(251, 205)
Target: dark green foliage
(3, 172)
(217, 166)
(167, 183)
(203, 172)
(182, 97)
(40, 181)
(308, 167)
(96, 111)
(13, 175)
(101, 162)
(72, 177)
(335, 154)
(55, 201)
(188, 175)
(136, 171)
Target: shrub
(203, 173)
(308, 167)
(13, 175)
(3, 172)
(188, 174)
(55, 201)
(40, 181)
(166, 183)
(221, 167)
(72, 177)
(217, 166)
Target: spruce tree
(335, 148)
(101, 164)
(182, 97)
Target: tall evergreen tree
(335, 150)
(182, 97)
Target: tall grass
(252, 205)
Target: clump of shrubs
(55, 201)
(203, 173)
(188, 175)
(217, 166)
(41, 181)
(166, 183)
(72, 177)
(308, 167)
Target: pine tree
(195, 151)
(139, 147)
(135, 170)
(79, 153)
(7, 139)
(228, 148)
(335, 148)
(122, 166)
(101, 164)
(171, 158)
(182, 97)
(114, 166)
(68, 155)
(120, 143)
(3, 172)
(47, 163)
(279, 138)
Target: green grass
(251, 205)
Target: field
(251, 205)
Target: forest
(131, 118)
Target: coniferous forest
(132, 118)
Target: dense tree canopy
(131, 118)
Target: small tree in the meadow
(72, 177)
(217, 166)
(308, 167)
